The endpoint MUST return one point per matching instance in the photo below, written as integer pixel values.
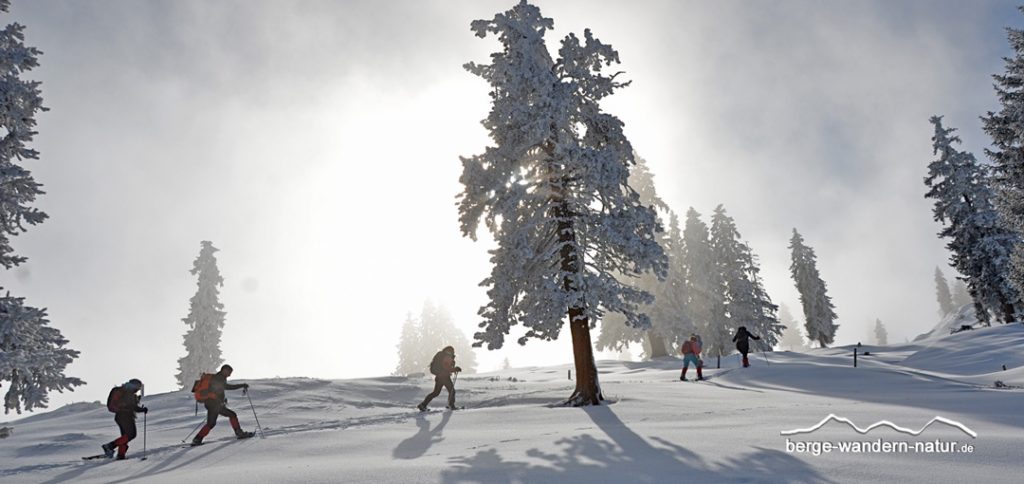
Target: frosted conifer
(1006, 129)
(792, 338)
(819, 313)
(942, 294)
(980, 246)
(553, 191)
(205, 320)
(32, 354)
(705, 289)
(881, 335)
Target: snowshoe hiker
(123, 402)
(209, 389)
(743, 343)
(691, 354)
(442, 366)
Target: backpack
(201, 388)
(114, 403)
(437, 364)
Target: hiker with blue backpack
(442, 367)
(123, 402)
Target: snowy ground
(655, 429)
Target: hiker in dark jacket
(124, 402)
(216, 405)
(743, 344)
(442, 366)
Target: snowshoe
(244, 435)
(108, 450)
(196, 442)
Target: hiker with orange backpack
(209, 389)
(123, 402)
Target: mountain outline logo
(882, 423)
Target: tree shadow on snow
(414, 447)
(627, 457)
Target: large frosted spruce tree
(819, 312)
(205, 319)
(705, 288)
(979, 244)
(1006, 128)
(746, 300)
(667, 311)
(554, 192)
(32, 354)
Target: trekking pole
(144, 428)
(258, 427)
(761, 348)
(192, 432)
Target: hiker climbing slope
(209, 389)
(743, 344)
(442, 366)
(123, 401)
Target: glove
(145, 410)
(245, 386)
(458, 370)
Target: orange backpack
(201, 388)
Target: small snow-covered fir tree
(410, 350)
(942, 294)
(961, 297)
(980, 246)
(1006, 129)
(32, 354)
(881, 335)
(705, 289)
(747, 302)
(554, 192)
(205, 320)
(437, 330)
(819, 312)
(792, 338)
(423, 337)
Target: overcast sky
(316, 144)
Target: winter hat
(449, 349)
(226, 367)
(133, 384)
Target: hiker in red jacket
(123, 401)
(216, 404)
(691, 354)
(442, 366)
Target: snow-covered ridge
(653, 429)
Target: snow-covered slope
(655, 429)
